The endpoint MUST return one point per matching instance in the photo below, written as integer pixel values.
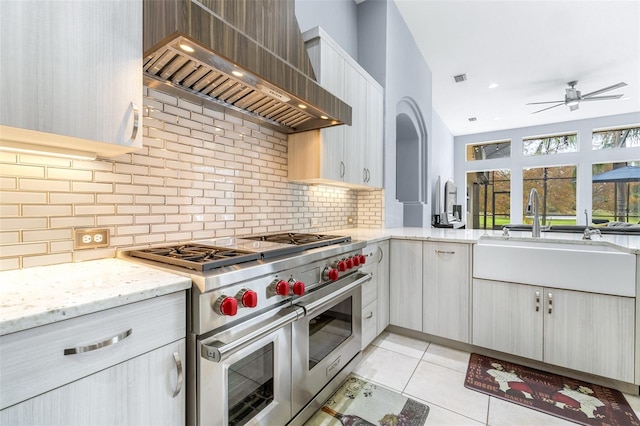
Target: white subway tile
(93, 254)
(91, 187)
(73, 222)
(9, 264)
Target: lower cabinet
(446, 290)
(405, 299)
(139, 391)
(589, 332)
(121, 366)
(375, 305)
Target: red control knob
(363, 259)
(298, 288)
(341, 266)
(282, 288)
(349, 263)
(356, 261)
(248, 298)
(226, 305)
(330, 274)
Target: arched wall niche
(411, 161)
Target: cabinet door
(72, 68)
(507, 317)
(590, 332)
(355, 135)
(383, 286)
(375, 135)
(446, 290)
(405, 257)
(135, 392)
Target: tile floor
(435, 375)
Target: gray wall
(336, 17)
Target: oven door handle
(218, 351)
(329, 299)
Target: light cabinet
(375, 292)
(344, 155)
(71, 76)
(589, 332)
(115, 364)
(139, 391)
(446, 290)
(405, 299)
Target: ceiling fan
(572, 98)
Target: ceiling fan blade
(544, 109)
(601, 98)
(547, 102)
(606, 89)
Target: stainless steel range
(274, 321)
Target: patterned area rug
(559, 396)
(360, 403)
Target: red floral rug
(559, 396)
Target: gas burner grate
(306, 241)
(195, 256)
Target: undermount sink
(578, 229)
(593, 266)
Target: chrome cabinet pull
(445, 252)
(364, 175)
(537, 301)
(550, 299)
(368, 175)
(342, 169)
(381, 254)
(92, 347)
(136, 120)
(369, 316)
(176, 357)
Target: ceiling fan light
(573, 102)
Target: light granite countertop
(41, 295)
(626, 243)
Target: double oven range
(273, 323)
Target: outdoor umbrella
(621, 174)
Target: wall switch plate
(90, 238)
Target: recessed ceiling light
(237, 73)
(324, 117)
(493, 85)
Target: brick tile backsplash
(200, 174)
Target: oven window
(250, 385)
(328, 330)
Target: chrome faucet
(533, 207)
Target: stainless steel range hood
(245, 56)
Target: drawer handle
(445, 252)
(369, 316)
(176, 357)
(136, 120)
(550, 297)
(537, 301)
(92, 347)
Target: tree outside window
(550, 145)
(489, 199)
(556, 187)
(619, 199)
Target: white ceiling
(531, 49)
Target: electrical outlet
(90, 238)
(350, 220)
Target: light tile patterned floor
(435, 374)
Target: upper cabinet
(344, 155)
(71, 76)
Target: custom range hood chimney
(247, 56)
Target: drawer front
(34, 361)
(369, 323)
(370, 288)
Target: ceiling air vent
(460, 78)
(472, 119)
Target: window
(615, 193)
(550, 145)
(489, 150)
(556, 188)
(616, 138)
(489, 202)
